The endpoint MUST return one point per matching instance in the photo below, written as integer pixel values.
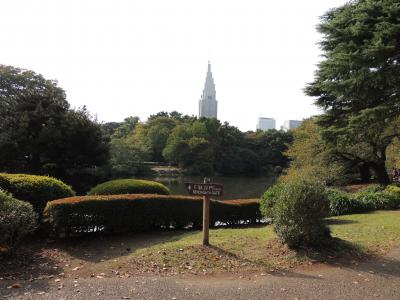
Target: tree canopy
(39, 133)
(358, 83)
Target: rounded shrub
(37, 190)
(299, 212)
(17, 219)
(341, 203)
(129, 186)
(269, 199)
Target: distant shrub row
(369, 199)
(141, 212)
(129, 186)
(373, 197)
(37, 190)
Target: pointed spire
(208, 102)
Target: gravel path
(371, 280)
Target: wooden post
(206, 216)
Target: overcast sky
(124, 58)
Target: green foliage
(199, 146)
(39, 133)
(127, 159)
(37, 190)
(358, 83)
(393, 155)
(372, 188)
(270, 147)
(299, 212)
(129, 186)
(269, 200)
(126, 213)
(342, 203)
(17, 219)
(312, 158)
(393, 189)
(378, 200)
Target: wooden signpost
(206, 190)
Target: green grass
(241, 249)
(375, 231)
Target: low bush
(372, 188)
(141, 212)
(378, 200)
(393, 189)
(37, 190)
(17, 219)
(129, 186)
(268, 200)
(299, 212)
(342, 203)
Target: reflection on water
(234, 187)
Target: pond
(234, 187)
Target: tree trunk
(381, 173)
(365, 173)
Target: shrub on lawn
(140, 212)
(341, 203)
(378, 200)
(37, 190)
(129, 186)
(17, 219)
(269, 199)
(299, 212)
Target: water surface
(234, 187)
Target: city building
(208, 104)
(265, 123)
(290, 124)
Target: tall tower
(208, 103)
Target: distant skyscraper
(265, 123)
(290, 124)
(208, 103)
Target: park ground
(364, 256)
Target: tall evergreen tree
(358, 82)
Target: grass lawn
(233, 250)
(241, 249)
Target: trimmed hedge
(129, 186)
(17, 219)
(141, 212)
(37, 190)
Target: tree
(126, 127)
(311, 157)
(38, 131)
(358, 82)
(270, 147)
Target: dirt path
(378, 279)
